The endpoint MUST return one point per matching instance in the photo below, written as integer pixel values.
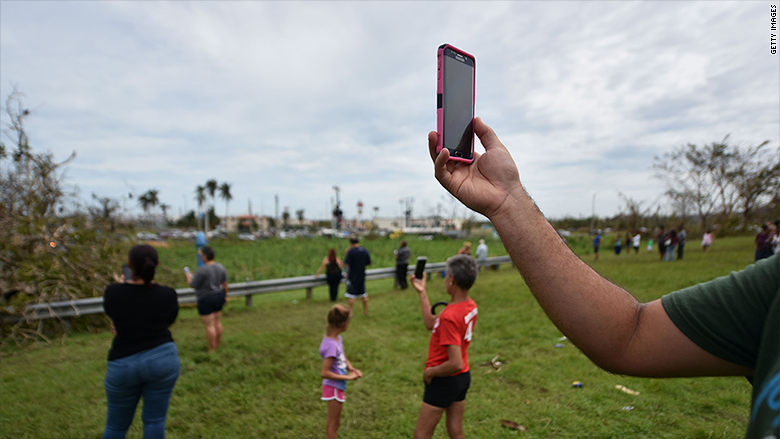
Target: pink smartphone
(456, 92)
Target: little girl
(336, 369)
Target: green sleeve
(726, 316)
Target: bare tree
(721, 162)
(107, 207)
(756, 177)
(45, 253)
(687, 175)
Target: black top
(141, 316)
(333, 268)
(357, 259)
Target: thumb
(486, 135)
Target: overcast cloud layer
(292, 98)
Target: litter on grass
(626, 390)
(558, 345)
(512, 425)
(576, 384)
(494, 363)
(627, 408)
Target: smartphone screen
(457, 103)
(126, 272)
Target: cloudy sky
(291, 98)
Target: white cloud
(291, 98)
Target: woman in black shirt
(332, 266)
(143, 360)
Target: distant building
(246, 223)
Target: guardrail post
(308, 293)
(248, 300)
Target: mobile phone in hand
(186, 269)
(126, 272)
(456, 85)
(419, 269)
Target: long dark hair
(332, 256)
(143, 260)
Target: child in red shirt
(447, 377)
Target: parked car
(246, 237)
(147, 236)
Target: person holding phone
(446, 376)
(727, 326)
(143, 361)
(401, 265)
(211, 287)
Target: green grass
(264, 381)
(278, 258)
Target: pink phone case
(439, 94)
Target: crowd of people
(143, 361)
(671, 243)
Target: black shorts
(211, 303)
(443, 391)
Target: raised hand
(485, 184)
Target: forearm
(445, 369)
(598, 316)
(334, 376)
(425, 308)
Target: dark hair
(338, 316)
(143, 261)
(464, 270)
(353, 240)
(403, 243)
(332, 256)
(208, 252)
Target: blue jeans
(152, 374)
(670, 253)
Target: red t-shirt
(454, 326)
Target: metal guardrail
(94, 305)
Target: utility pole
(276, 211)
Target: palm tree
(299, 214)
(200, 197)
(164, 207)
(224, 193)
(144, 201)
(153, 200)
(211, 188)
(149, 200)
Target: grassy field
(264, 382)
(277, 258)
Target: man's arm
(606, 322)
